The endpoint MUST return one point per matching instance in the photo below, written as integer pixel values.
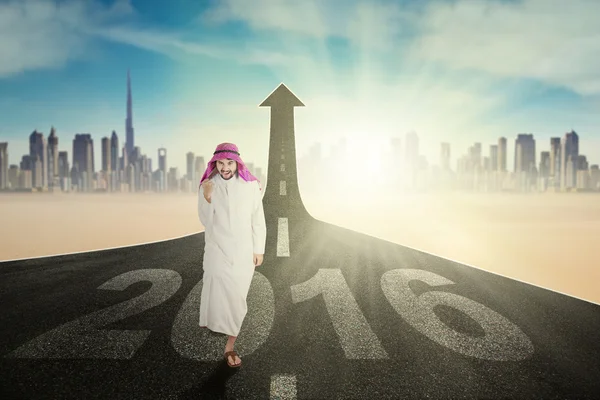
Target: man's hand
(258, 259)
(207, 186)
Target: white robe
(235, 229)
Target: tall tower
(52, 156)
(114, 152)
(569, 152)
(3, 165)
(524, 152)
(502, 154)
(129, 138)
(38, 147)
(445, 156)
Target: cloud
(364, 24)
(556, 42)
(44, 34)
(553, 41)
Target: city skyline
(200, 70)
(110, 160)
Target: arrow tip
(282, 96)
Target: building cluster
(561, 169)
(124, 169)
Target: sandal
(233, 354)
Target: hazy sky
(459, 71)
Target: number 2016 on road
(84, 338)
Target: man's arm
(259, 225)
(205, 209)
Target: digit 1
(191, 341)
(355, 334)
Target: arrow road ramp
(332, 313)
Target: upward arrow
(282, 97)
(282, 195)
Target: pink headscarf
(228, 150)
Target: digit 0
(191, 341)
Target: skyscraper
(493, 157)
(83, 159)
(52, 156)
(189, 158)
(129, 137)
(445, 156)
(555, 158)
(524, 152)
(106, 155)
(38, 148)
(545, 164)
(569, 150)
(3, 165)
(502, 154)
(162, 160)
(114, 152)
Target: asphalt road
(333, 314)
(343, 316)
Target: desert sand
(550, 240)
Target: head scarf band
(223, 151)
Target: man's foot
(233, 360)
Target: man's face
(226, 168)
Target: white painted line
(472, 266)
(283, 387)
(282, 157)
(282, 169)
(283, 238)
(282, 191)
(95, 250)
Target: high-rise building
(445, 156)
(190, 157)
(524, 152)
(106, 155)
(555, 157)
(162, 160)
(3, 165)
(493, 157)
(38, 147)
(569, 150)
(545, 164)
(14, 175)
(52, 156)
(502, 154)
(83, 159)
(114, 152)
(199, 168)
(477, 156)
(129, 133)
(63, 164)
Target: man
(230, 209)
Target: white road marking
(282, 157)
(283, 238)
(282, 169)
(282, 191)
(283, 387)
(355, 334)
